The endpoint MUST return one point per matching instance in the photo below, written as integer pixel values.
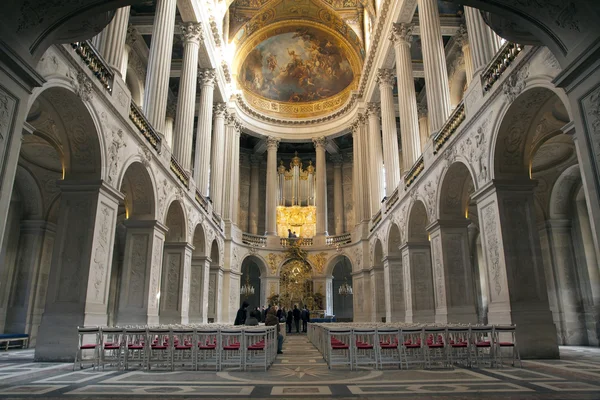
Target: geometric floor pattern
(301, 373)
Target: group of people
(273, 315)
(292, 235)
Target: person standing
(305, 319)
(272, 320)
(296, 314)
(288, 321)
(240, 317)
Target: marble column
(200, 274)
(159, 63)
(375, 157)
(407, 99)
(571, 329)
(452, 272)
(186, 100)
(255, 160)
(218, 149)
(231, 167)
(462, 39)
(175, 290)
(142, 270)
(391, 158)
(79, 277)
(511, 247)
(271, 206)
(338, 193)
(111, 41)
(206, 80)
(357, 183)
(363, 167)
(484, 43)
(434, 63)
(321, 186)
(423, 125)
(235, 177)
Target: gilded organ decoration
(296, 209)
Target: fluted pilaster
(111, 41)
(338, 193)
(321, 188)
(409, 123)
(375, 157)
(385, 78)
(423, 125)
(253, 204)
(271, 203)
(206, 80)
(231, 169)
(186, 99)
(434, 63)
(484, 42)
(159, 63)
(217, 159)
(462, 39)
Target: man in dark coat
(296, 314)
(288, 321)
(305, 319)
(240, 317)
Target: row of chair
(175, 348)
(419, 347)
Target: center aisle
(298, 351)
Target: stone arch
(514, 142)
(254, 272)
(30, 194)
(417, 222)
(215, 253)
(394, 240)
(333, 260)
(260, 262)
(342, 306)
(378, 254)
(138, 187)
(175, 220)
(199, 241)
(74, 126)
(564, 191)
(456, 186)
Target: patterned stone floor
(301, 373)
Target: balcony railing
(217, 220)
(376, 219)
(414, 172)
(203, 201)
(456, 118)
(338, 240)
(179, 172)
(254, 240)
(505, 56)
(95, 62)
(286, 242)
(140, 121)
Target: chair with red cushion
(257, 343)
(505, 340)
(209, 348)
(89, 341)
(458, 346)
(411, 340)
(482, 345)
(339, 349)
(389, 351)
(364, 347)
(232, 349)
(136, 347)
(184, 348)
(435, 346)
(160, 348)
(112, 349)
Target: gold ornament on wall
(318, 261)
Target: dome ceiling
(296, 58)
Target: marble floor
(301, 373)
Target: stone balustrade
(95, 63)
(450, 127)
(410, 177)
(507, 53)
(254, 240)
(139, 120)
(287, 242)
(179, 172)
(339, 240)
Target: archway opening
(343, 307)
(251, 283)
(395, 275)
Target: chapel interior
(162, 161)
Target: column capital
(192, 32)
(462, 36)
(171, 109)
(422, 109)
(132, 36)
(320, 142)
(373, 109)
(206, 77)
(220, 110)
(272, 143)
(401, 33)
(385, 77)
(255, 159)
(337, 160)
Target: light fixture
(247, 289)
(345, 289)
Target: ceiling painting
(297, 69)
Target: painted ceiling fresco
(308, 64)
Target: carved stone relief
(173, 272)
(137, 274)
(101, 252)
(493, 247)
(156, 270)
